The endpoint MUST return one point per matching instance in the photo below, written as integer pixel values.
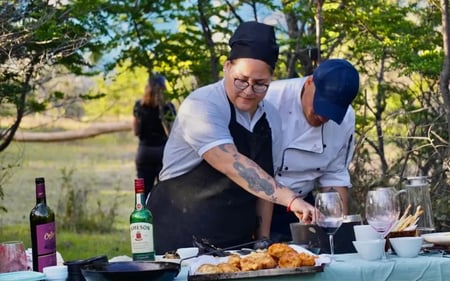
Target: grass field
(103, 166)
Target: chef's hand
(304, 211)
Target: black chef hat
(256, 41)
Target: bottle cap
(39, 180)
(139, 185)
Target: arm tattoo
(254, 181)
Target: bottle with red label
(141, 226)
(43, 232)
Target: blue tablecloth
(349, 267)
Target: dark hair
(155, 84)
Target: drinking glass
(329, 214)
(12, 256)
(382, 210)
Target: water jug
(418, 194)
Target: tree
(35, 38)
(403, 110)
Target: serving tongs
(205, 247)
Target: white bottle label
(141, 238)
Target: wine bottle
(141, 226)
(43, 234)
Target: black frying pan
(133, 270)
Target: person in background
(218, 167)
(318, 124)
(150, 126)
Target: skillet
(132, 270)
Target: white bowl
(365, 232)
(370, 249)
(55, 273)
(406, 247)
(187, 252)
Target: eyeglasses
(257, 88)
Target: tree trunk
(92, 131)
(445, 74)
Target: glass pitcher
(418, 193)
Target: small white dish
(370, 249)
(365, 232)
(55, 273)
(189, 252)
(406, 247)
(438, 238)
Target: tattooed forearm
(253, 179)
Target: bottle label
(141, 238)
(46, 245)
(40, 190)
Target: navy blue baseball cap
(157, 79)
(337, 83)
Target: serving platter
(273, 273)
(266, 273)
(438, 238)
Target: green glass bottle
(42, 228)
(141, 226)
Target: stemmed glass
(12, 256)
(382, 210)
(329, 214)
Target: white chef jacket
(311, 155)
(202, 123)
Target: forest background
(71, 70)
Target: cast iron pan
(133, 270)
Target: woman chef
(218, 161)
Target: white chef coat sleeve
(205, 123)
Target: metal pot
(133, 270)
(313, 238)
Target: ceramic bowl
(365, 232)
(55, 273)
(189, 252)
(370, 249)
(406, 247)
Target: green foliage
(74, 216)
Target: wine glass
(329, 214)
(382, 210)
(12, 256)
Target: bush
(73, 208)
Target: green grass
(104, 166)
(74, 246)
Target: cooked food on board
(276, 250)
(255, 261)
(290, 260)
(235, 260)
(209, 268)
(227, 267)
(278, 255)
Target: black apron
(205, 203)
